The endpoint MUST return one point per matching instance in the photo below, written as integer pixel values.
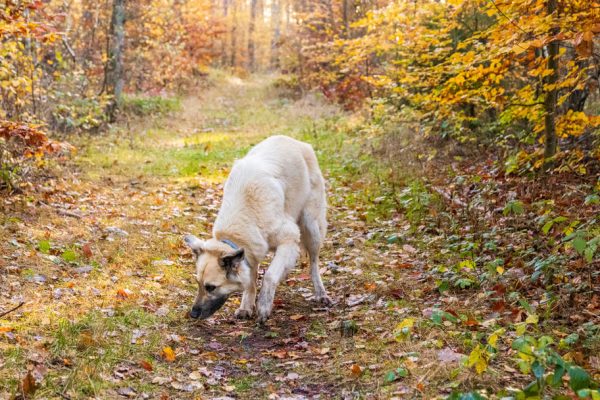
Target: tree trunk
(276, 27)
(224, 58)
(234, 22)
(251, 30)
(346, 17)
(114, 73)
(551, 93)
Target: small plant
(536, 356)
(514, 207)
(415, 200)
(585, 243)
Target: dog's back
(278, 175)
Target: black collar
(230, 244)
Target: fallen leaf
(123, 293)
(126, 392)
(168, 354)
(355, 370)
(28, 385)
(146, 365)
(87, 250)
(195, 375)
(292, 376)
(297, 317)
(448, 355)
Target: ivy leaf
(579, 378)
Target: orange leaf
(146, 365)
(356, 370)
(297, 317)
(168, 354)
(87, 251)
(28, 385)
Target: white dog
(274, 200)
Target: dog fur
(273, 200)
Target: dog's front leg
(246, 309)
(283, 261)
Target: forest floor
(96, 255)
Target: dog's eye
(209, 288)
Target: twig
(68, 213)
(12, 309)
(63, 212)
(508, 18)
(69, 49)
(64, 396)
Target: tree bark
(251, 31)
(551, 92)
(346, 17)
(115, 81)
(276, 27)
(224, 57)
(234, 22)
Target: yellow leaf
(406, 323)
(478, 359)
(532, 319)
(493, 339)
(168, 354)
(402, 330)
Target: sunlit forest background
(460, 140)
(522, 74)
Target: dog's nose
(195, 312)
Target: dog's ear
(194, 243)
(230, 262)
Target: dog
(273, 200)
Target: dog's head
(220, 271)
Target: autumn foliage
(473, 70)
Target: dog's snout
(207, 308)
(195, 312)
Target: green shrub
(150, 105)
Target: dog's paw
(240, 313)
(263, 314)
(324, 300)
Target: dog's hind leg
(283, 262)
(311, 239)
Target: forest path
(107, 281)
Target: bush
(288, 86)
(150, 105)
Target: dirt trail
(97, 256)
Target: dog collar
(230, 244)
